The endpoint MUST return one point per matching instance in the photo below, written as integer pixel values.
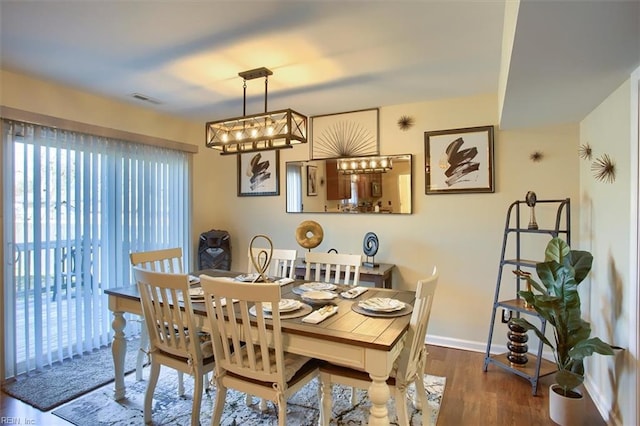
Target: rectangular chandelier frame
(257, 132)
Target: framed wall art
(312, 180)
(259, 173)
(347, 134)
(459, 160)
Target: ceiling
(327, 56)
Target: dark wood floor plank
(472, 397)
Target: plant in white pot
(557, 300)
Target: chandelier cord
(266, 83)
(244, 97)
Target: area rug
(99, 408)
(67, 380)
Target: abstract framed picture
(312, 180)
(459, 160)
(259, 173)
(346, 134)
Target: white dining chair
(260, 367)
(333, 267)
(282, 262)
(409, 366)
(164, 260)
(173, 338)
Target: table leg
(379, 394)
(118, 350)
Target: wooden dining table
(348, 338)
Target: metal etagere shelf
(536, 366)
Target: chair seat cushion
(292, 362)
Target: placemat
(402, 312)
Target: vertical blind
(75, 206)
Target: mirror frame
(321, 191)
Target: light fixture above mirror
(350, 166)
(256, 132)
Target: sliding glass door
(75, 206)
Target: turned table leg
(379, 394)
(119, 349)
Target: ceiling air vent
(145, 98)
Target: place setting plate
(196, 294)
(318, 297)
(249, 278)
(382, 307)
(288, 308)
(314, 286)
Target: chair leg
(144, 350)
(354, 396)
(198, 387)
(249, 401)
(151, 386)
(420, 397)
(282, 413)
(326, 399)
(221, 397)
(401, 406)
(180, 383)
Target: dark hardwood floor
(471, 396)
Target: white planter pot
(566, 411)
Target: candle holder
(531, 202)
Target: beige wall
(461, 233)
(604, 227)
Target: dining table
(351, 337)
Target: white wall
(605, 214)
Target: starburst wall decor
(604, 169)
(585, 151)
(536, 156)
(405, 122)
(349, 134)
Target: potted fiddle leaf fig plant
(557, 300)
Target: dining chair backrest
(282, 262)
(413, 356)
(252, 361)
(168, 313)
(333, 267)
(164, 260)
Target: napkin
(193, 279)
(284, 281)
(353, 293)
(321, 314)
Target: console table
(380, 275)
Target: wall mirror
(377, 185)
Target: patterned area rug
(53, 386)
(99, 408)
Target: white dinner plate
(317, 286)
(285, 305)
(196, 293)
(248, 278)
(381, 304)
(318, 295)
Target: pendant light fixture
(257, 132)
